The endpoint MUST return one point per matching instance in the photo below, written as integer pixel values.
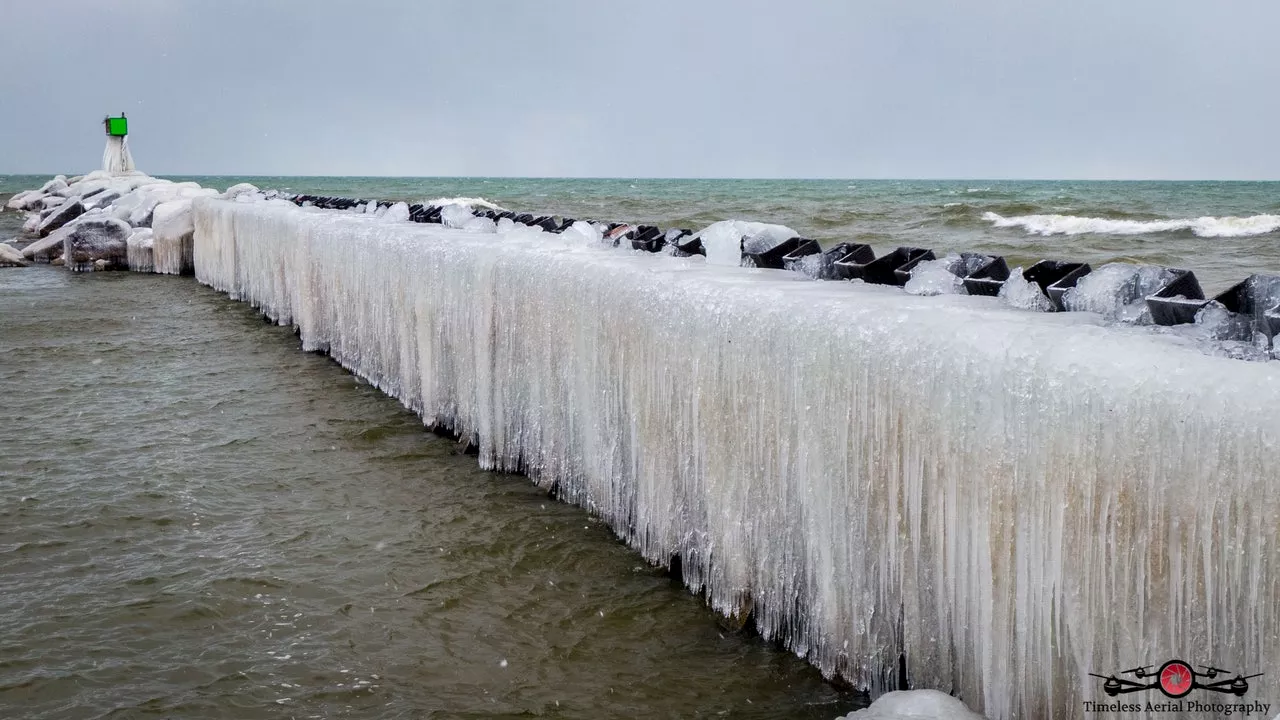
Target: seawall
(1010, 499)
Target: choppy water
(201, 521)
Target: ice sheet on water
(1010, 504)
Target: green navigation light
(117, 126)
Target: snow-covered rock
(10, 257)
(139, 250)
(63, 214)
(97, 243)
(914, 705)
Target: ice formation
(1010, 506)
(140, 252)
(914, 705)
(130, 200)
(399, 212)
(116, 157)
(96, 239)
(727, 240)
(172, 239)
(1023, 294)
(935, 277)
(460, 217)
(10, 257)
(1116, 291)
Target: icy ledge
(1011, 499)
(914, 705)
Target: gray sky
(791, 88)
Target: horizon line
(684, 178)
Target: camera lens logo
(1176, 679)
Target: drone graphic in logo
(1175, 679)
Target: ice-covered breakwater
(1010, 500)
(128, 220)
(1241, 321)
(115, 220)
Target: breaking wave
(1074, 225)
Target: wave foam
(464, 201)
(1075, 225)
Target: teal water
(947, 215)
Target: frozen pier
(1009, 500)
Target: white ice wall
(116, 158)
(1012, 499)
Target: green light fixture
(116, 126)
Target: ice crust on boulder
(936, 277)
(131, 199)
(96, 239)
(237, 190)
(914, 705)
(140, 255)
(1021, 293)
(10, 257)
(459, 216)
(63, 214)
(399, 212)
(1117, 291)
(727, 240)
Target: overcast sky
(721, 88)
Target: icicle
(1010, 499)
(116, 158)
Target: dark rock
(65, 213)
(46, 249)
(102, 199)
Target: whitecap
(1076, 225)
